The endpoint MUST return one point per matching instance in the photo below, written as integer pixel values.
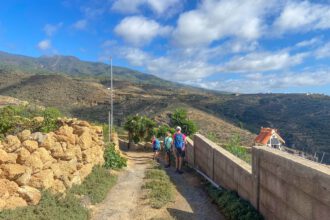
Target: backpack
(178, 141)
(156, 144)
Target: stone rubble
(32, 162)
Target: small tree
(139, 128)
(180, 118)
(131, 125)
(162, 130)
(146, 129)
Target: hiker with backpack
(168, 147)
(155, 147)
(179, 142)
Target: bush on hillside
(140, 128)
(50, 120)
(161, 131)
(112, 158)
(180, 118)
(234, 147)
(14, 119)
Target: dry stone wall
(31, 162)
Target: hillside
(211, 126)
(302, 120)
(72, 66)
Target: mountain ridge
(302, 119)
(73, 66)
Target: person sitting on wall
(179, 142)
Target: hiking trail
(126, 200)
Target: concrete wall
(190, 157)
(123, 144)
(279, 185)
(292, 187)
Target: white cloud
(81, 24)
(159, 7)
(180, 70)
(323, 51)
(134, 56)
(165, 6)
(266, 61)
(168, 67)
(44, 45)
(214, 20)
(139, 30)
(303, 16)
(268, 82)
(127, 6)
(191, 64)
(308, 43)
(51, 29)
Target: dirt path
(126, 200)
(123, 198)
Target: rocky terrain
(30, 163)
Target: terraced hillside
(301, 119)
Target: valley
(301, 119)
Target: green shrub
(139, 128)
(231, 205)
(96, 185)
(51, 207)
(112, 158)
(234, 147)
(50, 120)
(106, 131)
(161, 131)
(14, 119)
(180, 118)
(212, 136)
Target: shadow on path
(126, 200)
(190, 188)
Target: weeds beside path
(124, 197)
(129, 198)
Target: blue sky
(228, 45)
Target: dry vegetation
(302, 120)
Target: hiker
(155, 147)
(179, 141)
(167, 147)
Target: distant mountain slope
(54, 90)
(303, 120)
(72, 66)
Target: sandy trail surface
(126, 200)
